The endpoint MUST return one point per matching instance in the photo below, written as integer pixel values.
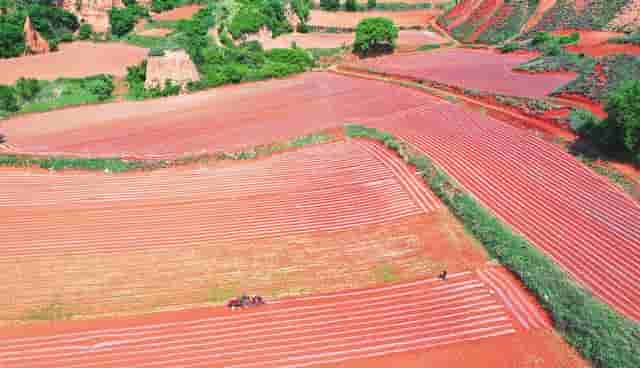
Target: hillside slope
(494, 21)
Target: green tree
(27, 88)
(8, 99)
(11, 37)
(122, 20)
(85, 31)
(52, 22)
(621, 128)
(350, 5)
(371, 4)
(102, 87)
(375, 35)
(330, 4)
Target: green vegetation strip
(598, 332)
(118, 165)
(61, 163)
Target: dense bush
(371, 4)
(619, 133)
(8, 99)
(632, 38)
(12, 41)
(509, 47)
(330, 5)
(123, 20)
(100, 86)
(159, 6)
(302, 9)
(156, 52)
(601, 335)
(375, 34)
(52, 22)
(582, 120)
(350, 5)
(27, 88)
(85, 32)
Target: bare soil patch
(539, 348)
(77, 59)
(408, 39)
(183, 12)
(342, 19)
(480, 70)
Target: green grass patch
(168, 42)
(399, 6)
(429, 47)
(599, 333)
(218, 295)
(385, 273)
(630, 39)
(93, 164)
(34, 95)
(51, 312)
(326, 52)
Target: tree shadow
(376, 50)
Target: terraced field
(582, 221)
(323, 217)
(215, 120)
(77, 59)
(460, 68)
(342, 19)
(297, 332)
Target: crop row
(297, 332)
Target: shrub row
(32, 95)
(599, 333)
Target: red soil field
(484, 16)
(275, 218)
(211, 120)
(539, 348)
(461, 12)
(499, 16)
(77, 59)
(183, 12)
(331, 40)
(595, 43)
(547, 204)
(300, 332)
(473, 69)
(343, 19)
(543, 6)
(544, 204)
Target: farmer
(443, 275)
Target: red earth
(76, 59)
(595, 43)
(460, 67)
(320, 218)
(545, 204)
(406, 39)
(541, 9)
(183, 12)
(483, 16)
(487, 305)
(461, 12)
(214, 120)
(343, 19)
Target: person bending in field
(443, 275)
